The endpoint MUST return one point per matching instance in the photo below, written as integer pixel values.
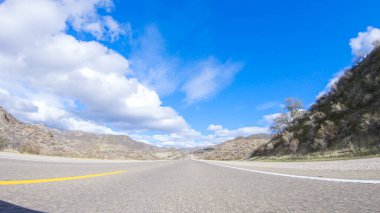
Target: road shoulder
(361, 169)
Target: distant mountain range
(240, 148)
(345, 121)
(38, 139)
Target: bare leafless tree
(291, 110)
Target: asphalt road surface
(170, 186)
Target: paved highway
(170, 186)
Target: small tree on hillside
(291, 110)
(293, 107)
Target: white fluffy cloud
(365, 41)
(40, 112)
(46, 69)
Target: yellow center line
(46, 180)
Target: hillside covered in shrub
(344, 120)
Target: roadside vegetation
(30, 149)
(320, 156)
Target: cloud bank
(52, 72)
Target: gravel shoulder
(365, 169)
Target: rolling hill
(38, 139)
(239, 148)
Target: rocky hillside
(38, 139)
(345, 120)
(236, 149)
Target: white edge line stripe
(300, 176)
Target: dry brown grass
(323, 156)
(30, 148)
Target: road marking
(300, 176)
(46, 180)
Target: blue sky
(174, 73)
(289, 49)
